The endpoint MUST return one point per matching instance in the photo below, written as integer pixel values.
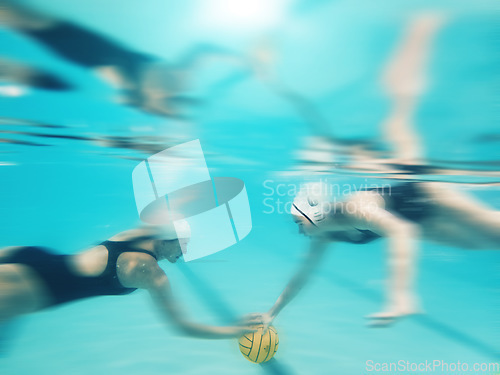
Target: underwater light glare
(231, 15)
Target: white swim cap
(176, 229)
(173, 229)
(310, 202)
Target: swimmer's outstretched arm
(316, 251)
(151, 277)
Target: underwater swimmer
(402, 214)
(143, 81)
(34, 278)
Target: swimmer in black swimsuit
(34, 278)
(401, 212)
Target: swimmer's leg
(404, 81)
(12, 301)
(467, 215)
(21, 291)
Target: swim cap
(310, 201)
(173, 229)
(178, 229)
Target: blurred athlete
(35, 278)
(403, 212)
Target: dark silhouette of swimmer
(144, 81)
(37, 278)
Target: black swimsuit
(362, 236)
(64, 284)
(407, 200)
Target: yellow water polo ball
(259, 346)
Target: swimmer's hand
(241, 330)
(264, 319)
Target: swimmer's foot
(391, 315)
(382, 319)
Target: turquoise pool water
(68, 193)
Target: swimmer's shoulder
(132, 234)
(367, 198)
(135, 270)
(359, 207)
